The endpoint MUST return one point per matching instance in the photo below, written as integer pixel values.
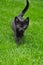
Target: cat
(19, 25)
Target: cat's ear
(26, 22)
(16, 19)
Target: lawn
(30, 52)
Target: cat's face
(21, 25)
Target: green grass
(30, 52)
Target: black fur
(19, 25)
(25, 9)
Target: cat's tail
(25, 9)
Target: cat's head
(21, 25)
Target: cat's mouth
(21, 30)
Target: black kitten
(19, 25)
